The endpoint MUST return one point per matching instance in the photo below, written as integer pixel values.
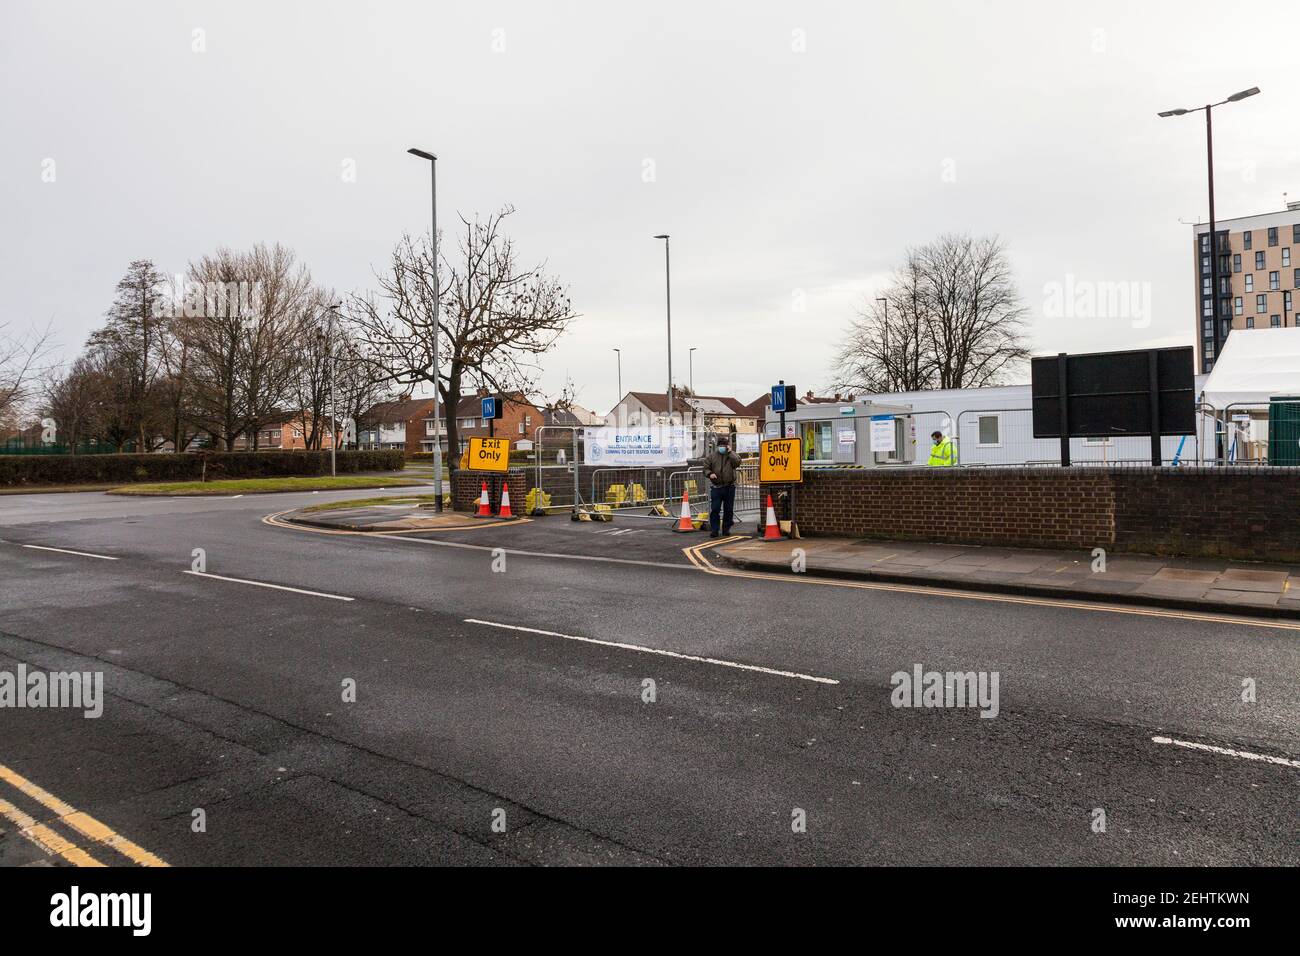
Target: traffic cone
(773, 530)
(505, 502)
(685, 523)
(484, 509)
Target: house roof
(401, 410)
(706, 404)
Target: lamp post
(1216, 329)
(619, 354)
(327, 339)
(437, 295)
(668, 303)
(690, 358)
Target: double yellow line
(695, 554)
(54, 843)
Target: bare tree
(21, 355)
(975, 330)
(242, 350)
(495, 317)
(951, 318)
(885, 348)
(72, 399)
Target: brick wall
(1221, 512)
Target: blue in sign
(490, 407)
(778, 398)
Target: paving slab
(1150, 580)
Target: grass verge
(254, 486)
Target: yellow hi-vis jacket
(943, 454)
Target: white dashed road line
(1225, 752)
(263, 584)
(80, 554)
(654, 650)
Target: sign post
(780, 461)
(784, 399)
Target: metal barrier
(1247, 433)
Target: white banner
(636, 446)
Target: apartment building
(1259, 274)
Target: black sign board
(1112, 394)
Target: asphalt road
(499, 714)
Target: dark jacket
(722, 465)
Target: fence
(24, 446)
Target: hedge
(18, 470)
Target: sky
(794, 151)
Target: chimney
(482, 392)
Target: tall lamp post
(1216, 327)
(668, 303)
(690, 358)
(327, 339)
(619, 354)
(437, 295)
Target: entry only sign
(780, 460)
(489, 454)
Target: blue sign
(778, 398)
(490, 407)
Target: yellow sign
(780, 460)
(489, 454)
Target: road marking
(274, 521)
(1225, 752)
(654, 650)
(263, 584)
(46, 839)
(83, 823)
(80, 554)
(393, 535)
(695, 555)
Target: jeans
(722, 498)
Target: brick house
(287, 431)
(397, 424)
(520, 420)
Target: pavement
(556, 692)
(1230, 587)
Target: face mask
(722, 448)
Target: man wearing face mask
(720, 465)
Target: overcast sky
(793, 151)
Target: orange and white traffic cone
(685, 523)
(484, 509)
(505, 502)
(773, 530)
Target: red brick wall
(1244, 513)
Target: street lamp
(690, 358)
(619, 353)
(668, 302)
(328, 341)
(1215, 319)
(437, 295)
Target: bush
(18, 470)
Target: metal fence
(24, 446)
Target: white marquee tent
(1256, 365)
